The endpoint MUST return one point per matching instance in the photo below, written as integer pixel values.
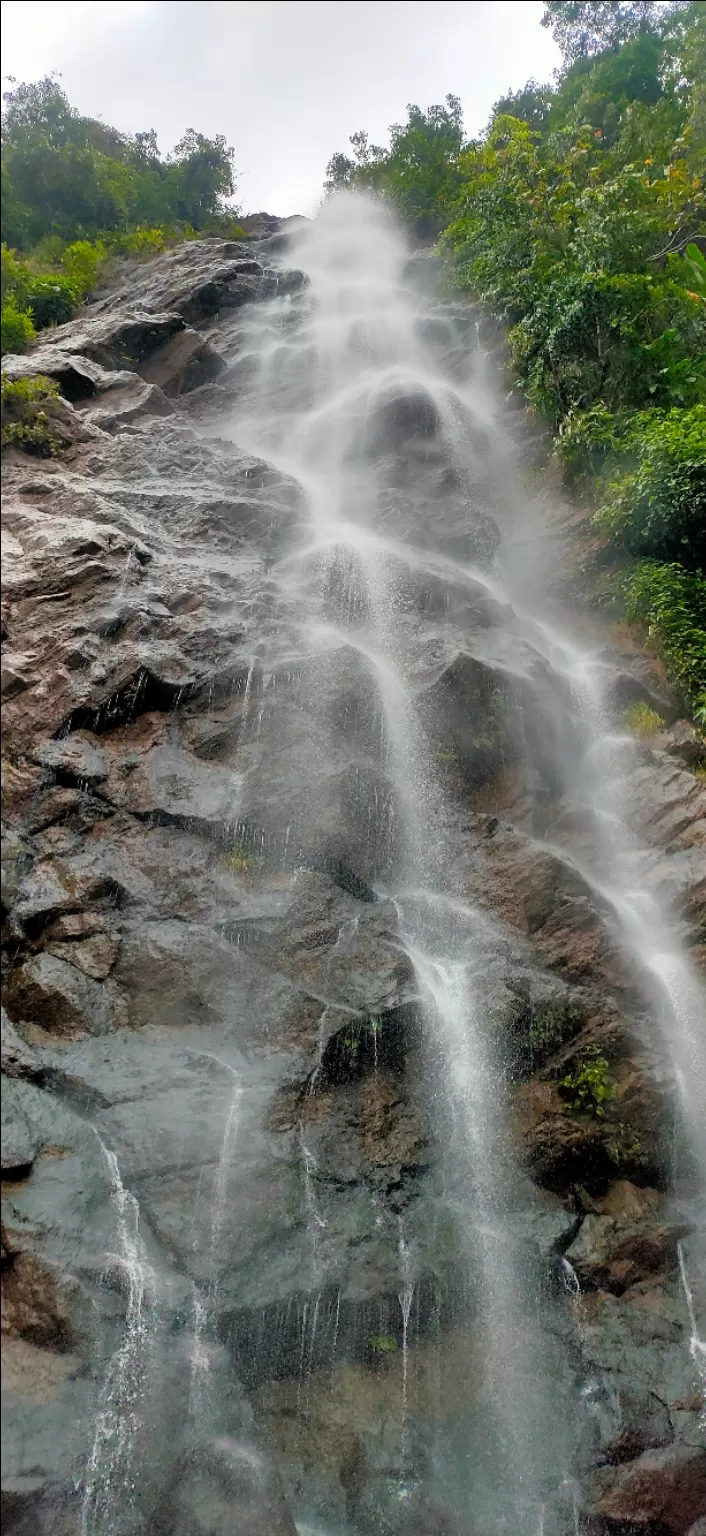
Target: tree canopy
(73, 177)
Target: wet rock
(638, 686)
(613, 1254)
(95, 956)
(546, 898)
(128, 398)
(111, 339)
(624, 1417)
(16, 860)
(75, 758)
(465, 708)
(684, 742)
(58, 886)
(214, 889)
(49, 992)
(564, 1147)
(227, 1486)
(664, 1489)
(18, 1059)
(21, 1141)
(13, 678)
(151, 773)
(64, 430)
(54, 805)
(33, 1307)
(206, 277)
(187, 361)
(404, 414)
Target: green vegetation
(624, 1147)
(242, 858)
(642, 720)
(671, 602)
(75, 193)
(17, 328)
(586, 1090)
(382, 1344)
(579, 218)
(25, 423)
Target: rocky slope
(189, 890)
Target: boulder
(110, 339)
(664, 1489)
(75, 758)
(21, 1139)
(61, 1000)
(613, 1254)
(227, 1486)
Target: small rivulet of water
(109, 1488)
(697, 1345)
(205, 1302)
(406, 1297)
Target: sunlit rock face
(352, 1072)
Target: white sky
(286, 81)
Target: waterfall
(374, 1276)
(322, 404)
(109, 1479)
(205, 1305)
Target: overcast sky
(287, 81)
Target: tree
(530, 105)
(419, 172)
(586, 27)
(72, 177)
(202, 175)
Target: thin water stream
(109, 1487)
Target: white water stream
(109, 1486)
(205, 1301)
(314, 413)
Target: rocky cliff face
(207, 978)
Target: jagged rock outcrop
(199, 838)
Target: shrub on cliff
(658, 508)
(25, 421)
(51, 300)
(671, 602)
(17, 328)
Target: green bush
(672, 603)
(588, 1088)
(17, 328)
(642, 720)
(658, 508)
(15, 277)
(25, 424)
(382, 1344)
(51, 300)
(626, 340)
(82, 262)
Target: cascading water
(333, 398)
(204, 1306)
(430, 1309)
(109, 1483)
